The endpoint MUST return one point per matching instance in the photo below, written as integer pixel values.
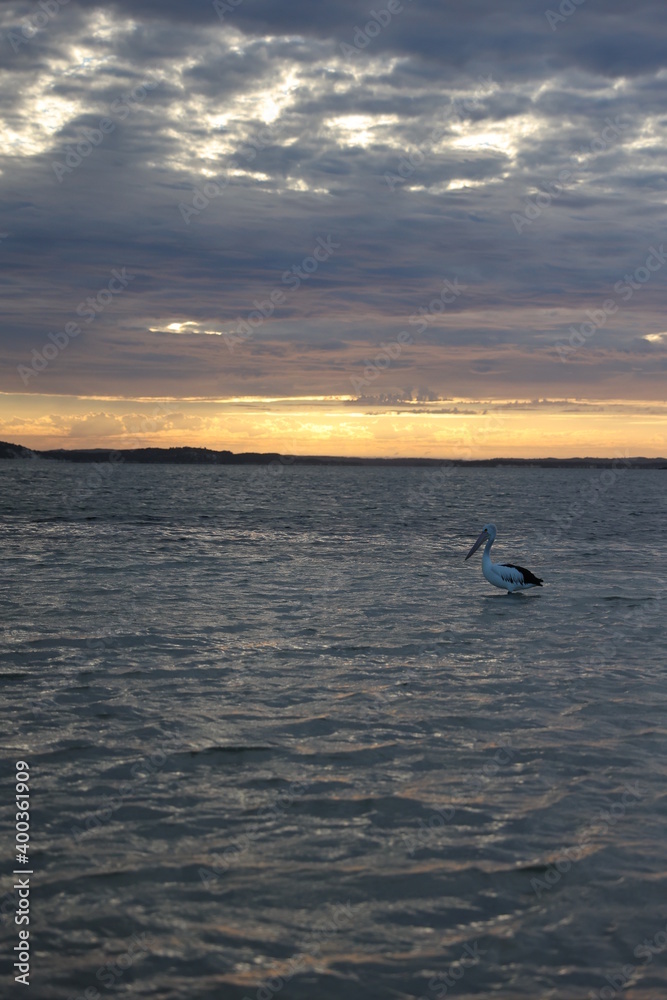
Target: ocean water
(284, 742)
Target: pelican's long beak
(482, 538)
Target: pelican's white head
(488, 533)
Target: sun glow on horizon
(342, 425)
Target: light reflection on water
(277, 726)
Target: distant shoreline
(207, 456)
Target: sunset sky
(436, 231)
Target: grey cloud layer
(339, 125)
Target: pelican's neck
(487, 548)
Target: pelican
(507, 576)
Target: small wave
(230, 749)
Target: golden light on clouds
(460, 428)
(413, 173)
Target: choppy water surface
(284, 742)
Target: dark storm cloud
(434, 152)
(613, 40)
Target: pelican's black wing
(528, 577)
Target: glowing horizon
(334, 426)
(356, 239)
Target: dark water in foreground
(284, 742)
